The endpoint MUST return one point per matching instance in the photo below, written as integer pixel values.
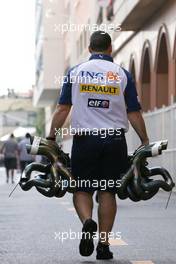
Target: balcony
(44, 95)
(49, 54)
(132, 15)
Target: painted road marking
(72, 209)
(117, 242)
(65, 203)
(142, 262)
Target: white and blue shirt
(101, 93)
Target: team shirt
(101, 93)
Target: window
(81, 43)
(110, 10)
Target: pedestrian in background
(24, 157)
(10, 151)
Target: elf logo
(98, 103)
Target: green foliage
(40, 122)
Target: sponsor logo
(112, 76)
(98, 103)
(105, 77)
(92, 75)
(99, 89)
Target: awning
(19, 132)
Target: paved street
(30, 226)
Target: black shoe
(86, 246)
(103, 252)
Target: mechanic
(103, 96)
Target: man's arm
(63, 107)
(58, 119)
(138, 124)
(133, 109)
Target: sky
(17, 45)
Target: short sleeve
(130, 94)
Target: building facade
(49, 55)
(146, 46)
(16, 112)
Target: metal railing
(161, 124)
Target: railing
(161, 124)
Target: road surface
(35, 229)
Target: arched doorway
(145, 79)
(162, 65)
(174, 99)
(132, 68)
(133, 71)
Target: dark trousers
(101, 159)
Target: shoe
(86, 246)
(103, 252)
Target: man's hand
(58, 120)
(138, 124)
